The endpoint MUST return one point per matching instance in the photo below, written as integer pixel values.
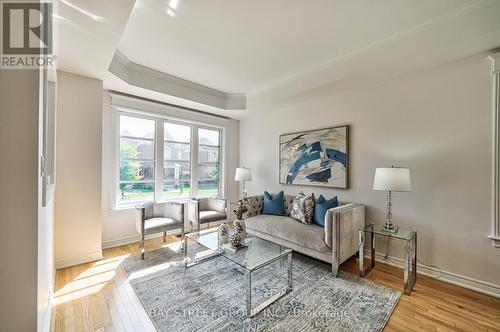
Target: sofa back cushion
(274, 205)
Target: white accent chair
(158, 217)
(206, 210)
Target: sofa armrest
(143, 212)
(193, 211)
(140, 218)
(341, 229)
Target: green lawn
(147, 194)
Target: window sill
(496, 241)
(130, 209)
(122, 210)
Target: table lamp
(243, 174)
(391, 179)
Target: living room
(232, 165)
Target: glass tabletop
(404, 234)
(256, 254)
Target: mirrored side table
(410, 259)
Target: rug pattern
(211, 296)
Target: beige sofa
(334, 243)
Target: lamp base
(390, 228)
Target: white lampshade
(243, 174)
(394, 179)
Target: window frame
(219, 159)
(159, 160)
(163, 121)
(118, 158)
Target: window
(137, 159)
(166, 160)
(177, 166)
(208, 162)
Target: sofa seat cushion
(209, 216)
(286, 228)
(159, 222)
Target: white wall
(78, 164)
(46, 267)
(23, 291)
(118, 225)
(436, 121)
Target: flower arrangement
(242, 208)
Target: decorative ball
(223, 232)
(239, 228)
(235, 240)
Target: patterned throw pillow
(303, 208)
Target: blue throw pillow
(274, 205)
(320, 208)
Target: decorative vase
(224, 232)
(235, 240)
(240, 227)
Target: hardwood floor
(98, 297)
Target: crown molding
(147, 78)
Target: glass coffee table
(258, 254)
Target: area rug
(210, 296)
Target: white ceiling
(269, 47)
(87, 34)
(242, 46)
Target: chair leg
(142, 246)
(182, 237)
(164, 236)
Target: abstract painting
(317, 157)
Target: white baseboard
(85, 258)
(131, 239)
(127, 240)
(135, 238)
(449, 277)
(48, 315)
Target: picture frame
(317, 157)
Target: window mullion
(159, 161)
(221, 191)
(194, 161)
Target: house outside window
(161, 160)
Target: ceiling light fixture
(173, 4)
(170, 12)
(93, 16)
